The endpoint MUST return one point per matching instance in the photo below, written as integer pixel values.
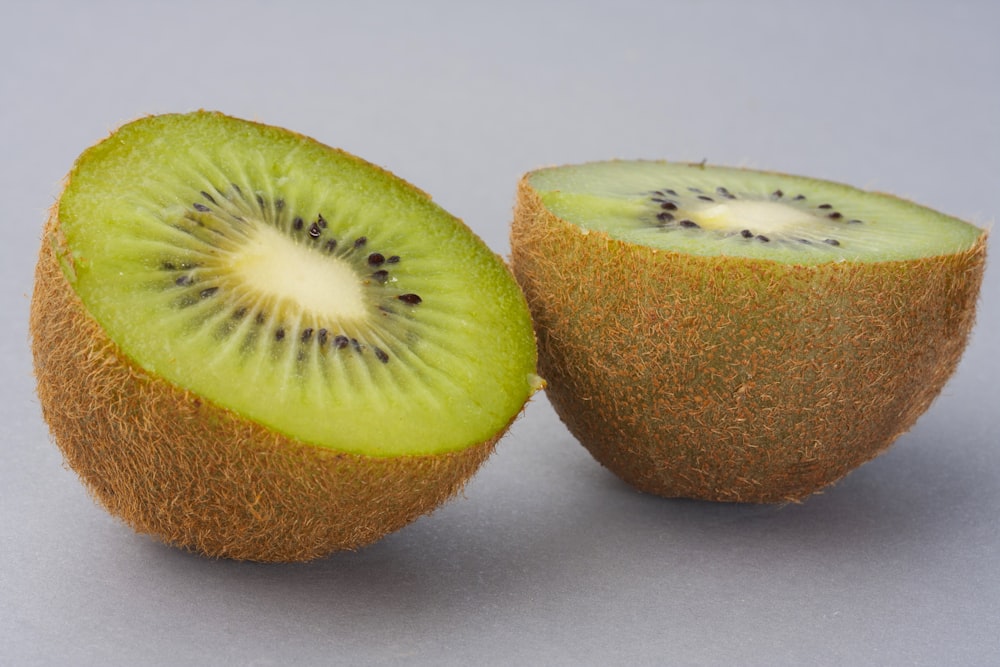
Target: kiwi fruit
(733, 335)
(255, 346)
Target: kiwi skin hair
(177, 466)
(735, 379)
(198, 476)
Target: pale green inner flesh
(297, 286)
(703, 210)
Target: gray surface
(546, 559)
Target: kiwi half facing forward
(732, 335)
(258, 347)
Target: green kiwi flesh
(733, 335)
(257, 346)
(713, 211)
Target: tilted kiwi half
(732, 335)
(256, 346)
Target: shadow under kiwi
(543, 531)
(908, 495)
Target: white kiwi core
(275, 266)
(765, 217)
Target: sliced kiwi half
(257, 346)
(736, 335)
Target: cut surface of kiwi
(255, 346)
(295, 285)
(713, 211)
(733, 335)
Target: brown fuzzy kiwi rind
(732, 379)
(199, 477)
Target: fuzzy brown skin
(734, 379)
(198, 476)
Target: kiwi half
(255, 346)
(733, 335)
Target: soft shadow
(914, 490)
(501, 539)
(545, 519)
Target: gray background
(546, 559)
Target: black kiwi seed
(340, 341)
(668, 206)
(381, 275)
(382, 356)
(198, 206)
(208, 291)
(798, 198)
(297, 223)
(854, 221)
(239, 313)
(376, 259)
(761, 237)
(279, 204)
(183, 280)
(279, 333)
(824, 206)
(314, 230)
(777, 194)
(321, 221)
(705, 198)
(330, 245)
(831, 241)
(168, 266)
(665, 217)
(411, 299)
(306, 334)
(321, 336)
(689, 224)
(746, 233)
(208, 197)
(360, 241)
(356, 344)
(835, 216)
(394, 259)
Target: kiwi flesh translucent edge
(180, 465)
(726, 377)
